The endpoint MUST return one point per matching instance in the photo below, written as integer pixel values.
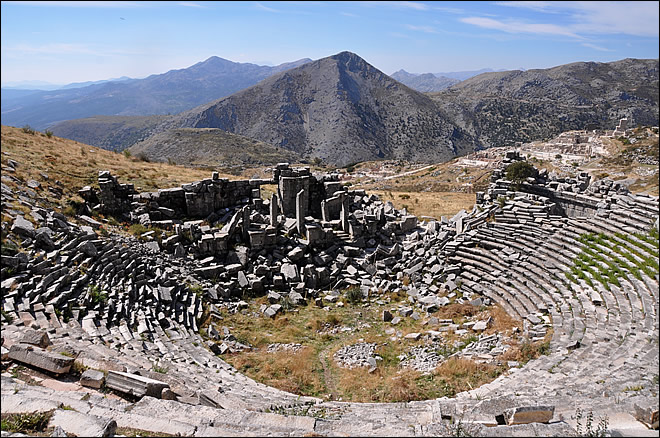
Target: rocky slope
(501, 108)
(339, 109)
(167, 93)
(210, 147)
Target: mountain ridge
(340, 109)
(167, 93)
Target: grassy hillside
(68, 166)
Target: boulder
(35, 337)
(23, 227)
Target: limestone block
(39, 358)
(314, 233)
(296, 254)
(290, 272)
(79, 424)
(35, 337)
(273, 310)
(408, 223)
(529, 414)
(134, 384)
(92, 379)
(647, 415)
(296, 298)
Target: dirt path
(328, 378)
(405, 173)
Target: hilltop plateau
(216, 305)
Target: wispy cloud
(399, 5)
(638, 18)
(449, 10)
(265, 8)
(595, 47)
(517, 26)
(534, 6)
(425, 29)
(399, 35)
(192, 5)
(79, 4)
(348, 14)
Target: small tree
(519, 171)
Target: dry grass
(315, 329)
(76, 164)
(386, 385)
(463, 375)
(433, 204)
(456, 312)
(292, 372)
(525, 351)
(502, 322)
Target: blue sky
(64, 42)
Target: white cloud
(595, 47)
(348, 14)
(191, 5)
(638, 18)
(425, 29)
(405, 5)
(449, 10)
(517, 26)
(265, 8)
(535, 6)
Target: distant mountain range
(168, 93)
(341, 109)
(426, 82)
(463, 75)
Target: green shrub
(519, 171)
(353, 294)
(588, 429)
(28, 422)
(28, 130)
(97, 295)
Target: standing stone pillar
(459, 225)
(300, 212)
(325, 212)
(246, 223)
(344, 213)
(274, 207)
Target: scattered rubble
(124, 304)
